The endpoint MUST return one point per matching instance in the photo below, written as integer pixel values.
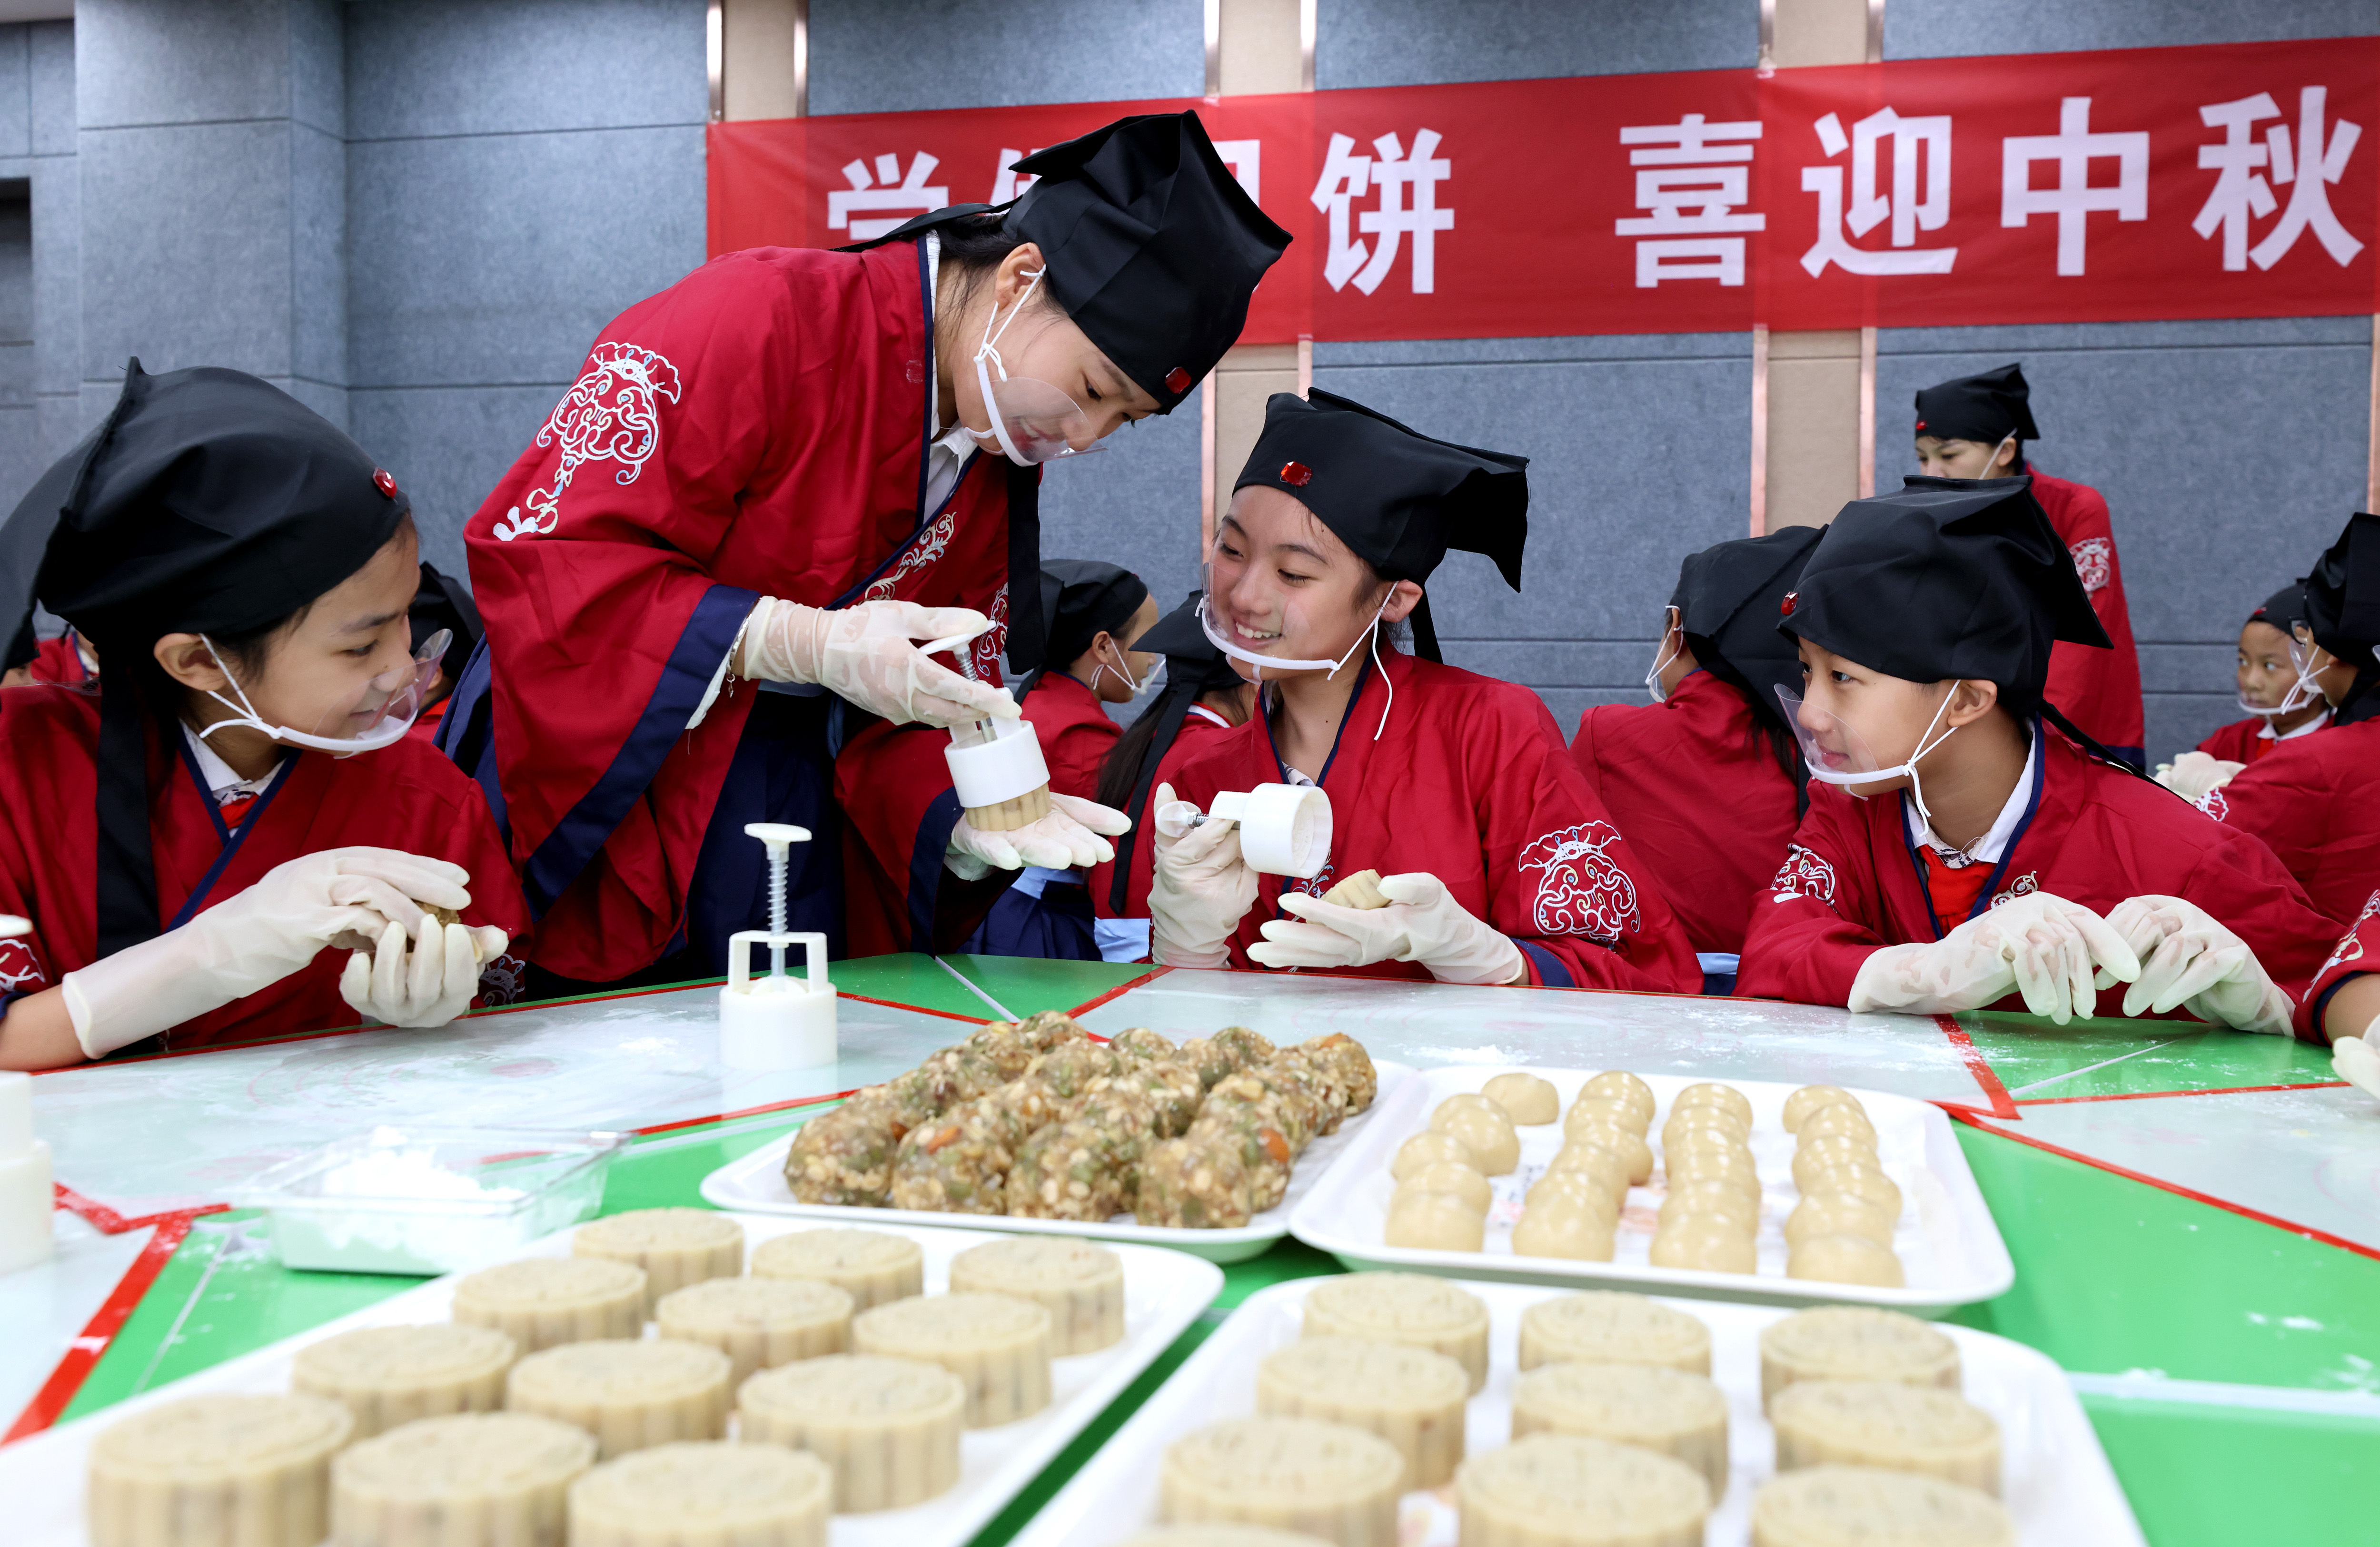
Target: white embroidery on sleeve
(1582, 889)
(611, 414)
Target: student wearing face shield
(1713, 739)
(2316, 802)
(709, 582)
(1976, 427)
(2280, 707)
(1499, 865)
(1096, 613)
(231, 835)
(1966, 848)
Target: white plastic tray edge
(52, 1463)
(743, 1185)
(1115, 1483)
(1993, 1270)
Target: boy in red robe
(1976, 427)
(2316, 802)
(1961, 852)
(1204, 698)
(1499, 865)
(236, 838)
(1713, 739)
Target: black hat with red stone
(1729, 599)
(1986, 408)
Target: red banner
(2234, 181)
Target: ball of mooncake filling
(1528, 1099)
(1822, 1507)
(1425, 1221)
(1711, 1197)
(1711, 1094)
(1451, 1176)
(888, 1428)
(1596, 1113)
(1568, 1225)
(1606, 1167)
(1846, 1259)
(1808, 1099)
(1612, 1327)
(491, 1477)
(1412, 1309)
(1411, 1397)
(675, 1246)
(227, 1470)
(1550, 1488)
(1429, 1147)
(1814, 1158)
(1584, 1186)
(1860, 1180)
(1630, 1147)
(1843, 1118)
(1483, 1129)
(871, 1266)
(1327, 1480)
(711, 1494)
(1839, 1213)
(1714, 1120)
(1620, 1086)
(1709, 1243)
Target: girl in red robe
(1713, 739)
(1976, 427)
(707, 582)
(2316, 802)
(1499, 865)
(1096, 613)
(235, 839)
(1960, 853)
(1204, 696)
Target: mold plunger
(777, 1021)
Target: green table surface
(2113, 1276)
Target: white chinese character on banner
(1391, 173)
(2242, 194)
(2074, 199)
(1700, 170)
(1909, 211)
(909, 195)
(1007, 182)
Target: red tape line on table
(2242, 1210)
(83, 1354)
(1091, 1004)
(1981, 1070)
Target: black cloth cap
(2284, 610)
(1728, 596)
(1984, 408)
(208, 501)
(1395, 496)
(1949, 578)
(2342, 594)
(1081, 598)
(1153, 247)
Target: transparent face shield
(1258, 618)
(374, 716)
(1837, 754)
(1032, 422)
(2306, 659)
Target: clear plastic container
(429, 1199)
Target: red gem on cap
(385, 481)
(1785, 607)
(1921, 424)
(1177, 381)
(1298, 474)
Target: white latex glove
(2353, 1059)
(338, 897)
(869, 654)
(1199, 889)
(2188, 959)
(1422, 923)
(429, 985)
(2052, 951)
(1074, 835)
(2192, 774)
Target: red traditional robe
(1661, 771)
(2094, 835)
(2099, 690)
(59, 660)
(1201, 729)
(2357, 954)
(758, 429)
(2316, 803)
(403, 796)
(1471, 783)
(1074, 731)
(2243, 741)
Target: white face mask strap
(1372, 634)
(991, 339)
(246, 711)
(1122, 674)
(1916, 786)
(1994, 460)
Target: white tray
(42, 1479)
(757, 1182)
(2056, 1481)
(1951, 1249)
